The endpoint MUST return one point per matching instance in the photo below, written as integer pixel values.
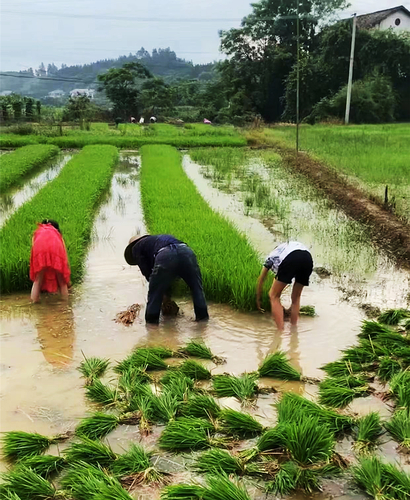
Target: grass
(201, 406)
(44, 465)
(18, 444)
(399, 427)
(239, 424)
(97, 426)
(368, 431)
(393, 316)
(27, 485)
(277, 366)
(71, 199)
(194, 370)
(216, 460)
(242, 388)
(91, 368)
(172, 205)
(90, 452)
(15, 165)
(101, 393)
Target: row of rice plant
(15, 165)
(171, 203)
(71, 199)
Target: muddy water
(42, 345)
(10, 201)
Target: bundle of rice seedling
(149, 358)
(309, 479)
(220, 486)
(343, 368)
(177, 384)
(403, 354)
(272, 439)
(370, 329)
(83, 481)
(388, 367)
(335, 396)
(244, 387)
(349, 381)
(217, 460)
(200, 406)
(368, 431)
(91, 452)
(187, 434)
(239, 424)
(183, 492)
(307, 311)
(27, 485)
(44, 465)
(277, 366)
(143, 405)
(112, 491)
(399, 427)
(165, 407)
(406, 325)
(400, 388)
(102, 394)
(174, 376)
(393, 316)
(19, 444)
(92, 368)
(308, 441)
(136, 462)
(131, 380)
(97, 426)
(285, 481)
(198, 349)
(399, 481)
(194, 370)
(367, 352)
(292, 407)
(393, 340)
(8, 495)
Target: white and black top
(278, 255)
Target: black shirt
(146, 249)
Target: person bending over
(162, 259)
(287, 261)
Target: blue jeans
(171, 262)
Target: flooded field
(42, 345)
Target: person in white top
(288, 261)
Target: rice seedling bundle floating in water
(344, 368)
(393, 316)
(368, 431)
(243, 387)
(165, 406)
(136, 461)
(150, 358)
(366, 352)
(27, 485)
(277, 366)
(18, 444)
(177, 384)
(217, 460)
(201, 406)
(83, 481)
(349, 381)
(198, 349)
(286, 480)
(388, 367)
(194, 370)
(335, 396)
(370, 329)
(44, 465)
(400, 388)
(307, 311)
(97, 426)
(399, 427)
(180, 436)
(393, 340)
(93, 367)
(90, 452)
(239, 424)
(101, 393)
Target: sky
(83, 31)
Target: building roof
(374, 18)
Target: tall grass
(229, 265)
(15, 165)
(71, 199)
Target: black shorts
(299, 265)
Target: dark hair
(53, 223)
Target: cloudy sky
(81, 31)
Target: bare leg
(276, 307)
(36, 288)
(295, 307)
(62, 286)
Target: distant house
(56, 94)
(397, 18)
(79, 92)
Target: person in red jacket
(49, 268)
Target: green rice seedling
(144, 405)
(183, 492)
(335, 396)
(398, 480)
(177, 384)
(403, 354)
(393, 316)
(18, 444)
(220, 486)
(102, 394)
(244, 387)
(239, 424)
(27, 485)
(97, 426)
(18, 163)
(277, 366)
(349, 381)
(92, 368)
(132, 383)
(136, 462)
(145, 358)
(216, 460)
(198, 349)
(368, 431)
(308, 441)
(83, 481)
(174, 375)
(399, 428)
(194, 370)
(8, 495)
(406, 325)
(165, 407)
(388, 367)
(307, 311)
(188, 434)
(285, 481)
(309, 479)
(112, 491)
(44, 465)
(201, 406)
(366, 352)
(370, 329)
(272, 439)
(400, 388)
(91, 452)
(393, 340)
(343, 368)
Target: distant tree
(41, 72)
(122, 86)
(38, 107)
(52, 69)
(29, 102)
(156, 94)
(77, 108)
(17, 105)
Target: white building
(79, 92)
(397, 18)
(56, 94)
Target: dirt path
(386, 229)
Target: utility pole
(297, 75)
(349, 83)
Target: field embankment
(171, 203)
(71, 200)
(17, 164)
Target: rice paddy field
(228, 409)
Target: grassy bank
(71, 199)
(15, 165)
(229, 265)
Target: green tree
(157, 95)
(29, 102)
(122, 86)
(78, 108)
